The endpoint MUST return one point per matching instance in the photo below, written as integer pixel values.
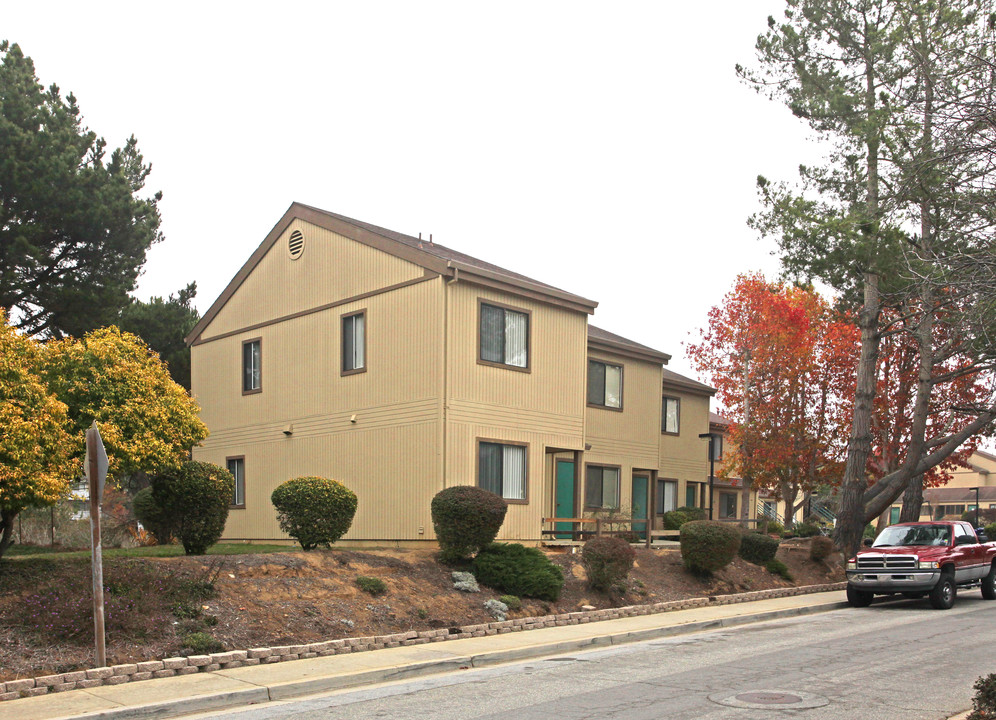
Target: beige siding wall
(685, 457)
(390, 456)
(628, 438)
(543, 408)
(331, 268)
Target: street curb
(313, 686)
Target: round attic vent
(295, 244)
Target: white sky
(606, 149)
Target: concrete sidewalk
(168, 697)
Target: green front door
(641, 483)
(564, 498)
(894, 515)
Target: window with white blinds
(502, 469)
(601, 487)
(667, 496)
(354, 345)
(604, 384)
(251, 373)
(504, 336)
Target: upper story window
(604, 384)
(504, 336)
(354, 343)
(501, 469)
(670, 415)
(251, 375)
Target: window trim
(233, 506)
(477, 462)
(664, 399)
(722, 507)
(618, 469)
(343, 372)
(528, 368)
(622, 380)
(660, 494)
(242, 366)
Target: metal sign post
(96, 473)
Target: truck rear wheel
(989, 584)
(859, 598)
(942, 597)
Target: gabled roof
(674, 380)
(433, 257)
(599, 339)
(717, 419)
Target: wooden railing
(585, 528)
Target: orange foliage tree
(783, 363)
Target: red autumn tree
(782, 362)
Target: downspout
(445, 373)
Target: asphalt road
(899, 660)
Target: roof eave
(653, 356)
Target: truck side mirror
(867, 542)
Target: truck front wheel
(859, 598)
(942, 597)
(989, 584)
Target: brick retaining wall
(131, 672)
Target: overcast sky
(606, 149)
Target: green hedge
(158, 523)
(757, 548)
(466, 518)
(707, 545)
(314, 510)
(196, 497)
(517, 570)
(607, 561)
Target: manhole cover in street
(760, 699)
(770, 698)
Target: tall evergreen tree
(876, 221)
(73, 231)
(163, 324)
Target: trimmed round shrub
(820, 548)
(607, 561)
(196, 496)
(518, 570)
(466, 518)
(708, 545)
(775, 528)
(693, 512)
(152, 517)
(314, 510)
(757, 548)
(674, 519)
(806, 529)
(990, 531)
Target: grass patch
(372, 585)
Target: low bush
(707, 545)
(607, 561)
(674, 519)
(990, 531)
(986, 516)
(820, 548)
(757, 548)
(372, 585)
(466, 518)
(774, 528)
(517, 570)
(869, 531)
(314, 510)
(984, 702)
(153, 519)
(512, 601)
(693, 512)
(201, 643)
(777, 567)
(196, 496)
(806, 529)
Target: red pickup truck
(923, 558)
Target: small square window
(237, 466)
(604, 384)
(354, 343)
(504, 336)
(502, 469)
(251, 373)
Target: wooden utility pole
(96, 472)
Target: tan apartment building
(969, 487)
(400, 367)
